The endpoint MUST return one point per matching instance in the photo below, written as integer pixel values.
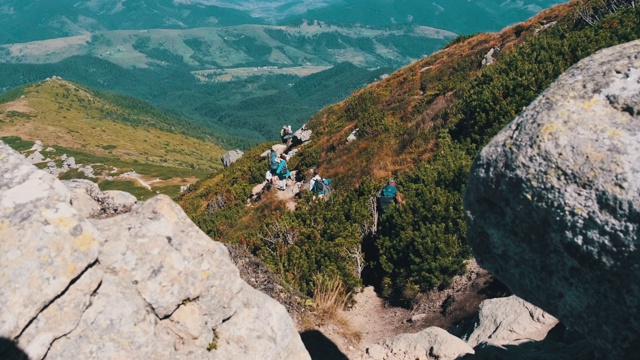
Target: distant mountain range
(233, 65)
(25, 21)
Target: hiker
(320, 186)
(283, 172)
(286, 134)
(274, 162)
(387, 196)
(315, 178)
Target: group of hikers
(278, 169)
(278, 174)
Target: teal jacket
(389, 191)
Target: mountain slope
(423, 125)
(112, 133)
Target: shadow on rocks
(10, 351)
(320, 347)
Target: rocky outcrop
(431, 343)
(302, 135)
(90, 201)
(230, 157)
(69, 163)
(36, 157)
(37, 146)
(553, 201)
(145, 284)
(490, 56)
(504, 328)
(510, 321)
(353, 136)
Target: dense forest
(423, 125)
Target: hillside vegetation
(423, 125)
(114, 133)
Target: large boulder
(510, 321)
(45, 245)
(510, 328)
(230, 157)
(432, 343)
(144, 284)
(553, 201)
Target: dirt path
(374, 320)
(136, 177)
(368, 322)
(371, 320)
(288, 195)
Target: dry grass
(329, 296)
(415, 102)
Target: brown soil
(371, 320)
(20, 105)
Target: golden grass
(329, 296)
(59, 113)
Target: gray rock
(116, 202)
(83, 196)
(490, 56)
(553, 201)
(279, 148)
(510, 321)
(37, 145)
(69, 163)
(63, 157)
(230, 157)
(147, 284)
(302, 135)
(417, 317)
(432, 343)
(90, 201)
(87, 170)
(35, 157)
(353, 136)
(45, 243)
(50, 149)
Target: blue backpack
(321, 187)
(273, 160)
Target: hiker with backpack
(286, 134)
(274, 162)
(283, 172)
(320, 186)
(387, 196)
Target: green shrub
(16, 143)
(422, 243)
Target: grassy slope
(96, 128)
